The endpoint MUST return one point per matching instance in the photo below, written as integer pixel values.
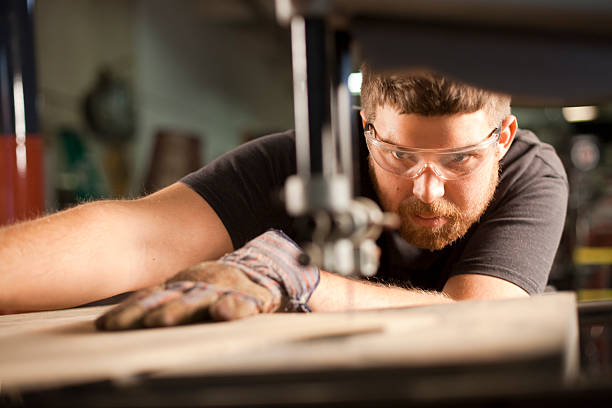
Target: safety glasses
(447, 164)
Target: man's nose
(428, 187)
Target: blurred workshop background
(117, 98)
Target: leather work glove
(264, 276)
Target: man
(482, 208)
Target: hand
(261, 277)
(208, 290)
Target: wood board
(59, 348)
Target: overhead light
(580, 113)
(354, 83)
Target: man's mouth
(425, 220)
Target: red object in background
(21, 178)
(21, 147)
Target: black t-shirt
(515, 239)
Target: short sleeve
(518, 235)
(243, 186)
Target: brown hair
(428, 94)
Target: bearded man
(482, 207)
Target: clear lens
(448, 164)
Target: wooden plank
(48, 349)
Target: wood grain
(47, 349)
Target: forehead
(431, 132)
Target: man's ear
(506, 136)
(363, 118)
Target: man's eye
(460, 158)
(402, 156)
(462, 161)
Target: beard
(458, 221)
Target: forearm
(65, 259)
(104, 248)
(336, 293)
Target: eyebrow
(446, 150)
(450, 149)
(386, 140)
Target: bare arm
(104, 248)
(336, 293)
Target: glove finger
(191, 307)
(104, 320)
(234, 306)
(130, 313)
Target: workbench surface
(59, 348)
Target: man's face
(435, 212)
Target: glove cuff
(270, 260)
